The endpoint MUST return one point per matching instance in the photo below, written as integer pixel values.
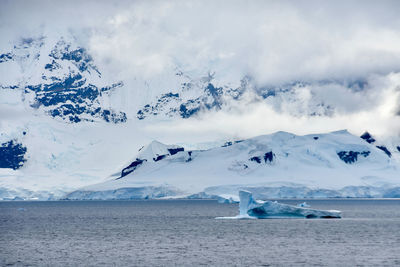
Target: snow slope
(336, 164)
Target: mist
(274, 42)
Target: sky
(274, 42)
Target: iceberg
(227, 199)
(258, 209)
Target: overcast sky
(273, 41)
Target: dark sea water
(186, 233)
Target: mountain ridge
(67, 123)
(314, 163)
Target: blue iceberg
(257, 209)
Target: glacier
(147, 192)
(250, 208)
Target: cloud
(243, 121)
(275, 42)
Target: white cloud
(274, 41)
(241, 120)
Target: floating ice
(251, 209)
(228, 199)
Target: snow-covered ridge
(60, 78)
(336, 164)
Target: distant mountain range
(60, 78)
(65, 130)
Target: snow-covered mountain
(59, 78)
(207, 93)
(336, 164)
(53, 102)
(65, 123)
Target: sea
(186, 233)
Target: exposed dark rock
(159, 157)
(186, 112)
(158, 106)
(365, 153)
(12, 155)
(173, 151)
(52, 66)
(79, 56)
(269, 156)
(226, 144)
(82, 98)
(384, 149)
(170, 95)
(211, 99)
(216, 93)
(367, 137)
(111, 116)
(5, 57)
(229, 143)
(190, 156)
(140, 115)
(133, 166)
(256, 159)
(350, 157)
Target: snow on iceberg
(272, 209)
(257, 209)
